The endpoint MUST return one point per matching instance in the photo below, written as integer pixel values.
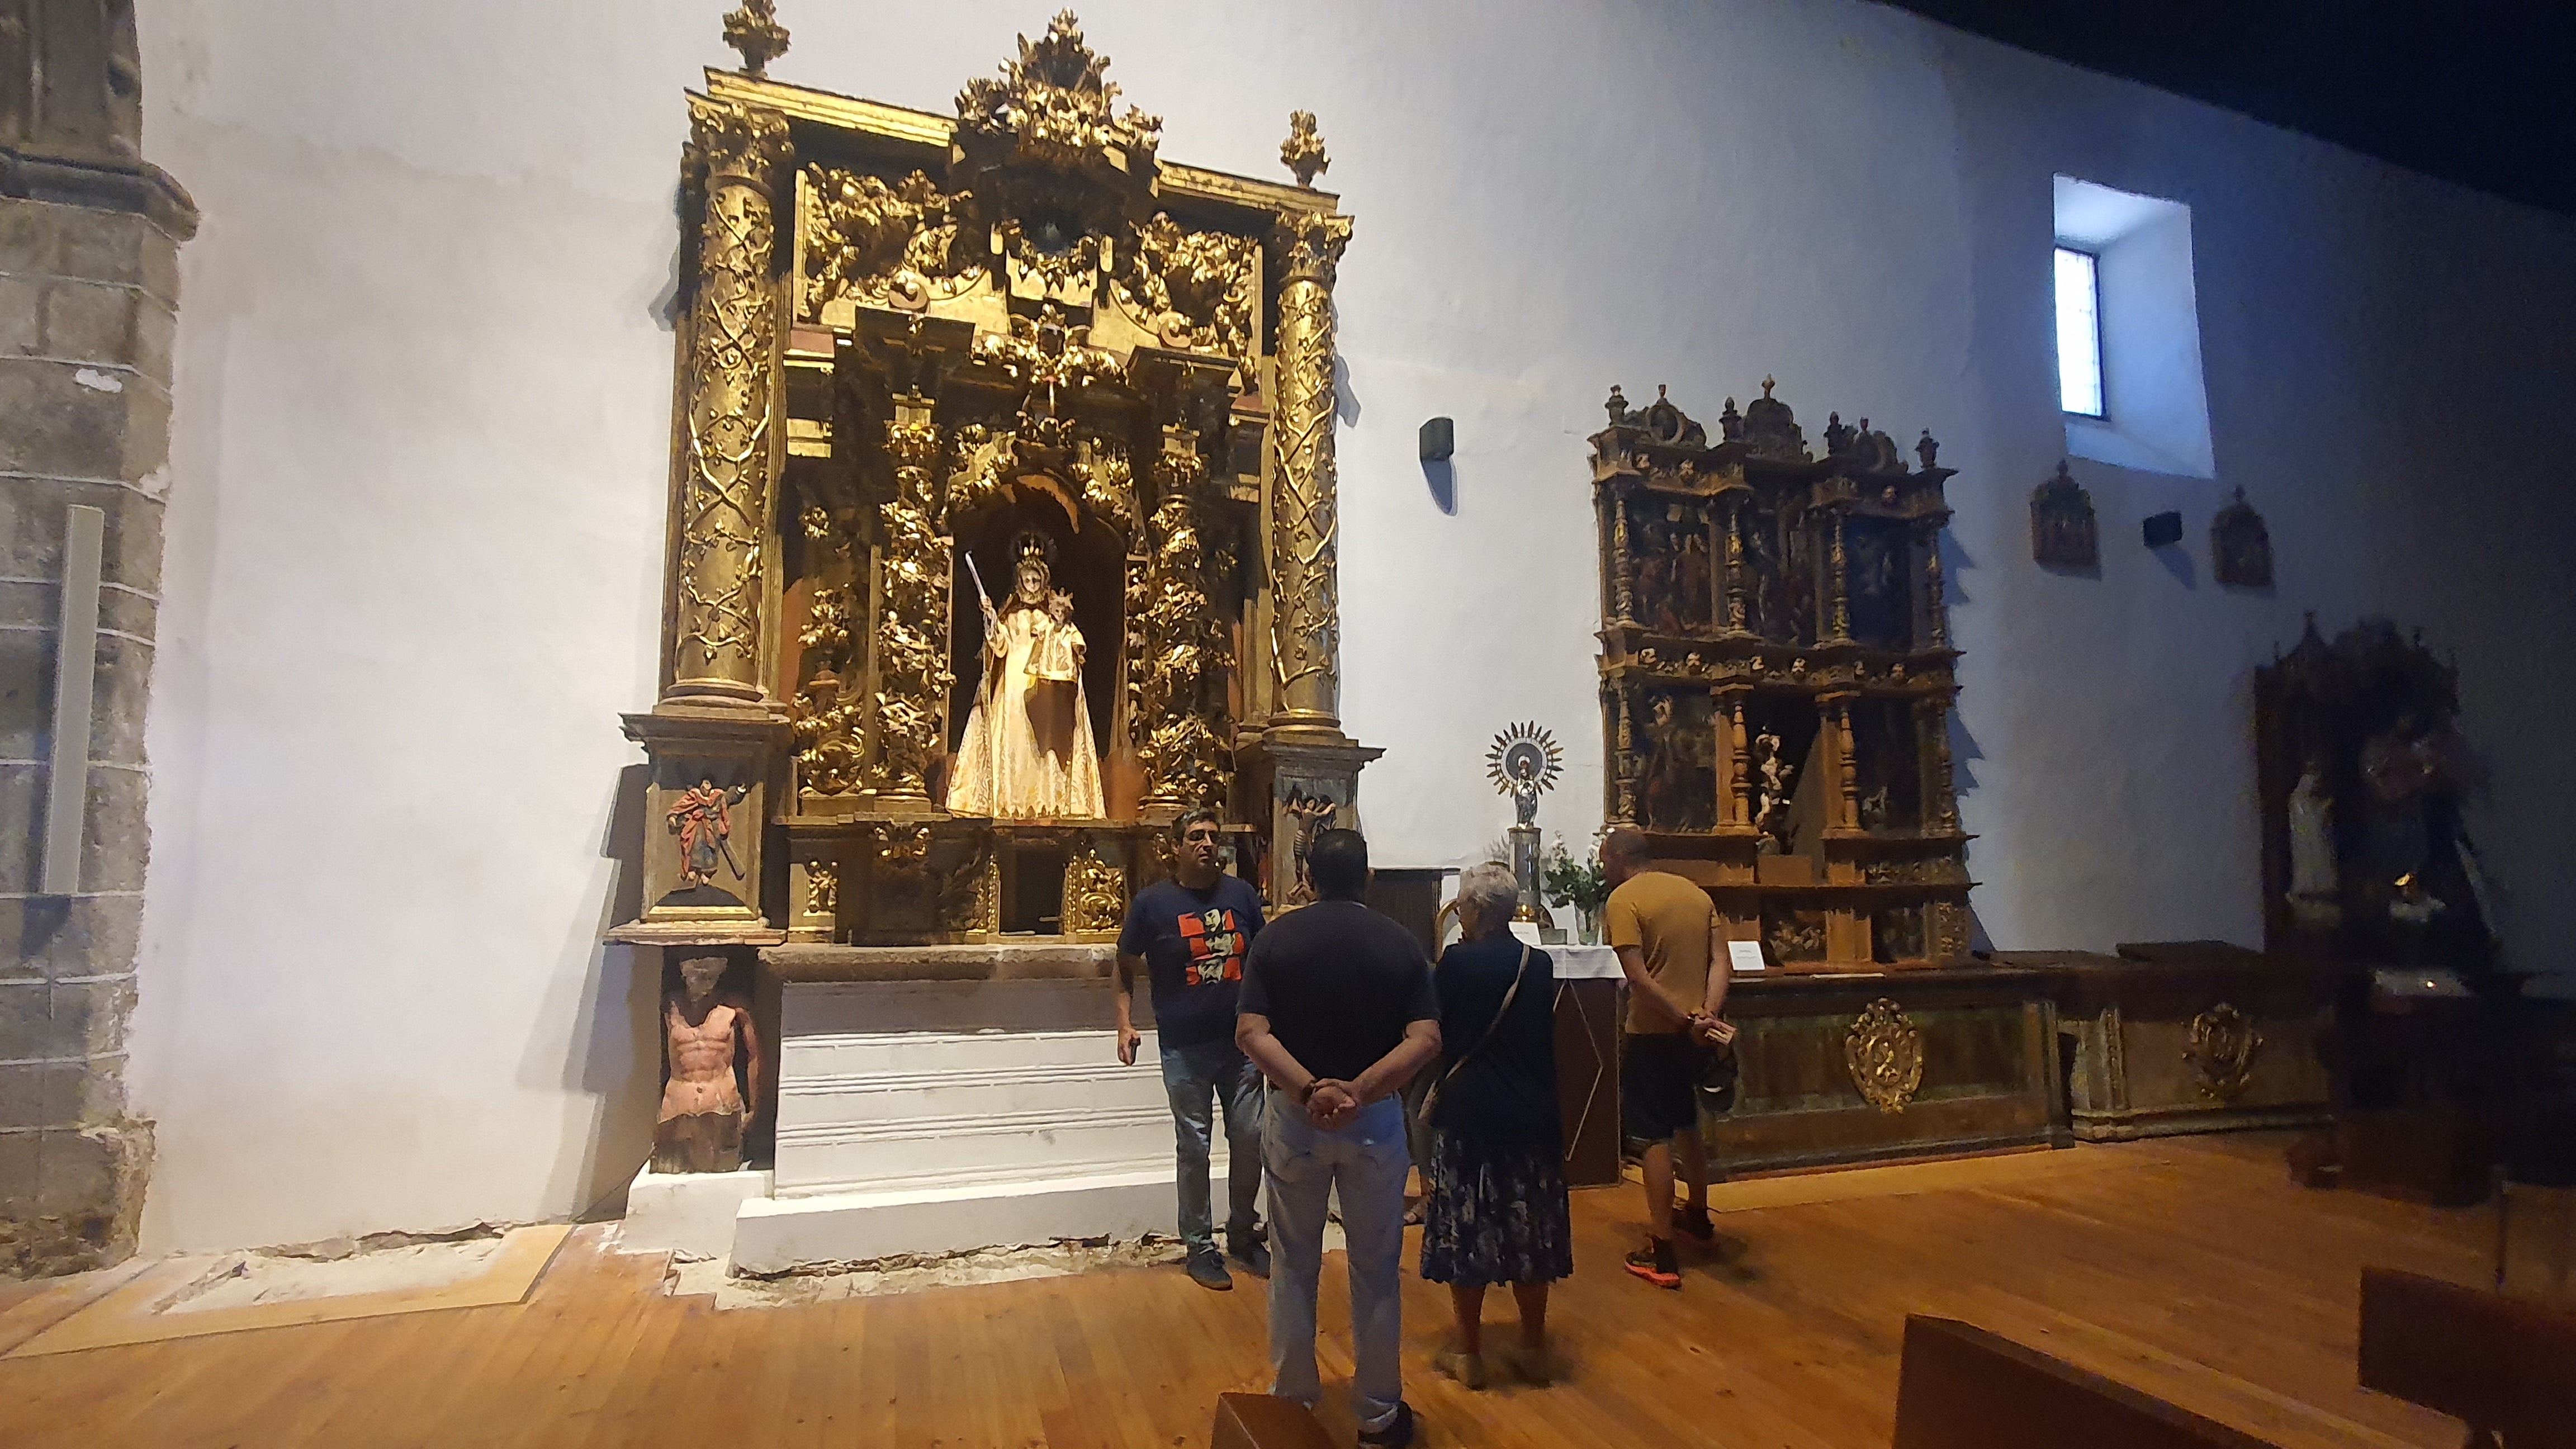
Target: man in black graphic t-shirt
(1190, 935)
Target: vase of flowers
(1582, 886)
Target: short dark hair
(1181, 827)
(1338, 864)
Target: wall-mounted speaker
(2163, 528)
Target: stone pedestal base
(688, 1213)
(985, 1108)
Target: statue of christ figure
(1027, 754)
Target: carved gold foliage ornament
(902, 847)
(1180, 652)
(1303, 151)
(1884, 1053)
(753, 30)
(1095, 893)
(733, 328)
(912, 646)
(822, 888)
(1109, 488)
(824, 721)
(893, 245)
(1049, 361)
(1196, 290)
(2223, 1044)
(970, 895)
(1055, 101)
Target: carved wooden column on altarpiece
(716, 732)
(1304, 771)
(1180, 647)
(913, 671)
(1305, 514)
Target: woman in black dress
(1495, 1176)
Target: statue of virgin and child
(1028, 752)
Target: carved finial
(1303, 151)
(1660, 392)
(753, 30)
(1767, 384)
(1928, 449)
(2062, 475)
(1617, 405)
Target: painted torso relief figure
(1028, 752)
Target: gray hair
(1491, 891)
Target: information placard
(1744, 955)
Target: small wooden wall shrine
(1777, 678)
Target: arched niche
(1090, 563)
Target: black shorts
(1658, 1086)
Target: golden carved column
(1305, 527)
(729, 402)
(1184, 761)
(913, 672)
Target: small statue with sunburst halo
(1524, 764)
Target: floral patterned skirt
(1494, 1216)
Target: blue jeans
(1192, 1076)
(1367, 1161)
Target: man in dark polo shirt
(1190, 934)
(1338, 1013)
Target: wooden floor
(2192, 1269)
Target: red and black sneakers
(1656, 1264)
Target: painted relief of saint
(702, 817)
(1028, 753)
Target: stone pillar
(1305, 518)
(89, 280)
(729, 407)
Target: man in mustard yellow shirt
(1664, 930)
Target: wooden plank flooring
(2192, 1269)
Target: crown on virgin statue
(1033, 545)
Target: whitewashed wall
(423, 402)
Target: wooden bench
(1960, 1387)
(2501, 1365)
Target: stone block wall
(89, 294)
(88, 302)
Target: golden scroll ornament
(822, 888)
(1095, 893)
(2223, 1044)
(1884, 1053)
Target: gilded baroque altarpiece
(917, 352)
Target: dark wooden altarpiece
(1777, 678)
